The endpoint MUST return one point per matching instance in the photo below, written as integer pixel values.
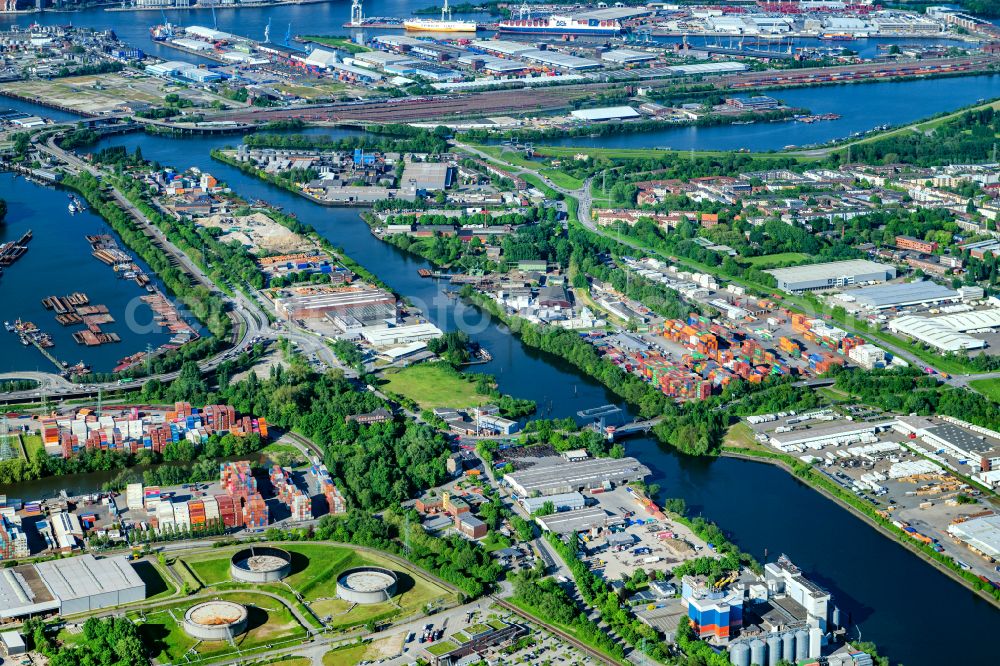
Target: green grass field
(32, 443)
(779, 259)
(988, 387)
(433, 385)
(561, 179)
(342, 43)
(270, 622)
(345, 656)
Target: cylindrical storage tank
(757, 650)
(788, 647)
(773, 650)
(366, 585)
(260, 564)
(215, 621)
(801, 645)
(739, 654)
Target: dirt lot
(104, 93)
(258, 232)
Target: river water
(913, 612)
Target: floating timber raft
(13, 250)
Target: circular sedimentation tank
(215, 621)
(260, 564)
(367, 585)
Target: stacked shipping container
(152, 431)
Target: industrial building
(713, 612)
(944, 333)
(68, 586)
(980, 448)
(982, 535)
(834, 434)
(867, 356)
(365, 305)
(606, 113)
(86, 583)
(578, 476)
(920, 292)
(626, 56)
(558, 60)
(427, 176)
(388, 336)
(831, 275)
(582, 520)
(560, 502)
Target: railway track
(599, 657)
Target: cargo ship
(838, 37)
(560, 25)
(444, 24)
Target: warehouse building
(831, 275)
(943, 333)
(626, 56)
(606, 113)
(567, 522)
(425, 177)
(560, 502)
(578, 476)
(981, 450)
(982, 535)
(921, 292)
(501, 46)
(365, 305)
(558, 60)
(68, 586)
(86, 583)
(400, 335)
(838, 434)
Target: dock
(14, 250)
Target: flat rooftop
(965, 440)
(22, 593)
(909, 293)
(585, 473)
(826, 430)
(983, 534)
(84, 576)
(831, 269)
(580, 520)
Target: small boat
(9, 326)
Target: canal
(894, 598)
(59, 262)
(861, 106)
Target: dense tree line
(968, 138)
(452, 558)
(112, 641)
(383, 138)
(376, 465)
(910, 391)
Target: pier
(14, 250)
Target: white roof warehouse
(578, 476)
